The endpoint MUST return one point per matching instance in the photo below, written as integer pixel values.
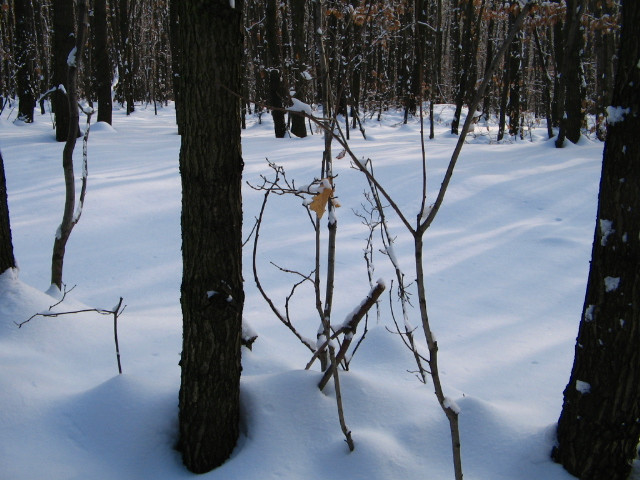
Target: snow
(611, 284)
(71, 58)
(616, 114)
(583, 387)
(299, 106)
(506, 263)
(606, 229)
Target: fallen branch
(115, 311)
(348, 328)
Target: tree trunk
(7, 259)
(298, 38)
(104, 75)
(211, 171)
(462, 59)
(25, 59)
(572, 79)
(515, 75)
(122, 30)
(598, 429)
(63, 42)
(70, 215)
(176, 54)
(275, 67)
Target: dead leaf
(319, 203)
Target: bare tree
(63, 42)
(212, 295)
(71, 214)
(103, 63)
(7, 259)
(25, 59)
(572, 91)
(598, 429)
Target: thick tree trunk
(300, 73)
(277, 92)
(7, 259)
(465, 52)
(176, 54)
(104, 75)
(25, 59)
(63, 42)
(598, 429)
(572, 79)
(70, 215)
(211, 170)
(515, 75)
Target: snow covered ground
(506, 261)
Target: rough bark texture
(299, 44)
(572, 78)
(63, 42)
(211, 169)
(277, 91)
(7, 259)
(104, 75)
(69, 216)
(599, 427)
(515, 75)
(125, 63)
(25, 59)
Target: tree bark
(25, 59)
(63, 42)
(69, 216)
(515, 75)
(572, 79)
(300, 62)
(104, 75)
(277, 92)
(599, 427)
(212, 295)
(7, 259)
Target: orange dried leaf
(319, 203)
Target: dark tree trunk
(572, 79)
(63, 42)
(504, 97)
(598, 429)
(605, 62)
(488, 98)
(275, 66)
(25, 59)
(103, 63)
(211, 170)
(437, 67)
(122, 30)
(462, 60)
(515, 75)
(418, 59)
(546, 82)
(176, 54)
(7, 259)
(300, 73)
(70, 216)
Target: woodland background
(382, 54)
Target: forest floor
(506, 268)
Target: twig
(64, 294)
(350, 325)
(115, 311)
(336, 381)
